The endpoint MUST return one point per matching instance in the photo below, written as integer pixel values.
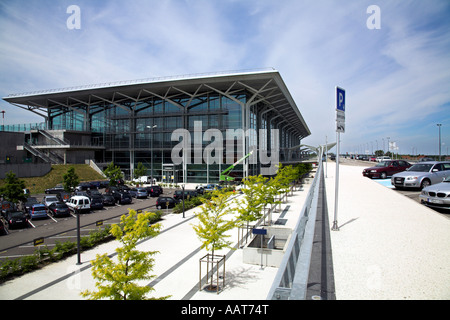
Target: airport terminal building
(134, 121)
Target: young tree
(70, 180)
(269, 192)
(12, 190)
(213, 223)
(113, 173)
(249, 208)
(117, 280)
(140, 171)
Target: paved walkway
(176, 265)
(388, 247)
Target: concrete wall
(271, 257)
(25, 170)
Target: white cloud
(395, 77)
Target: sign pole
(77, 210)
(340, 127)
(336, 195)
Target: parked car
(16, 219)
(96, 202)
(154, 191)
(7, 205)
(83, 186)
(63, 196)
(38, 211)
(178, 194)
(28, 203)
(92, 193)
(422, 174)
(3, 228)
(48, 200)
(200, 189)
(108, 200)
(81, 203)
(55, 190)
(383, 158)
(424, 159)
(437, 195)
(139, 193)
(122, 197)
(59, 208)
(386, 168)
(165, 202)
(212, 187)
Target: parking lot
(413, 194)
(20, 242)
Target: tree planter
(212, 266)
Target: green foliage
(70, 180)
(117, 280)
(249, 208)
(43, 254)
(213, 225)
(113, 173)
(12, 190)
(140, 171)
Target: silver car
(422, 175)
(437, 196)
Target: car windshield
(424, 167)
(17, 214)
(383, 164)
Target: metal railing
(291, 281)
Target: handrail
(291, 280)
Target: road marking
(52, 218)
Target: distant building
(133, 121)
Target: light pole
(389, 149)
(439, 126)
(151, 150)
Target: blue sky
(397, 78)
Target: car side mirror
(434, 170)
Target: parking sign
(340, 99)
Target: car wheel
(425, 183)
(383, 175)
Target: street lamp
(151, 150)
(439, 125)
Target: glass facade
(135, 123)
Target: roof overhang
(264, 86)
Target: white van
(81, 203)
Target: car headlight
(373, 171)
(411, 178)
(424, 193)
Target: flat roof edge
(123, 83)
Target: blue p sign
(340, 99)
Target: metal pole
(326, 156)
(261, 250)
(336, 196)
(439, 125)
(183, 199)
(78, 237)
